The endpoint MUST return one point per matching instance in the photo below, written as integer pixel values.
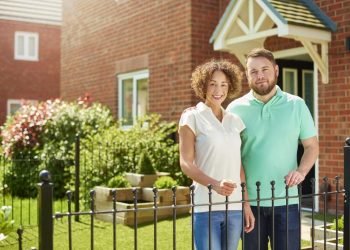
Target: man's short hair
(261, 52)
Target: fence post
(45, 203)
(347, 193)
(77, 176)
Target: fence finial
(44, 176)
(347, 141)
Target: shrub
(68, 121)
(340, 224)
(21, 143)
(118, 182)
(42, 136)
(145, 165)
(116, 150)
(165, 182)
(5, 221)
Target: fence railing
(46, 215)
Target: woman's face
(217, 89)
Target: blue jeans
(218, 230)
(251, 241)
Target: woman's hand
(249, 218)
(224, 187)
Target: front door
(296, 77)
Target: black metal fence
(46, 217)
(19, 174)
(46, 213)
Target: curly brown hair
(203, 74)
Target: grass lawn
(103, 232)
(103, 235)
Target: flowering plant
(22, 131)
(42, 136)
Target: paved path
(306, 224)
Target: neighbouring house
(137, 57)
(30, 36)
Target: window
(290, 78)
(132, 96)
(27, 46)
(14, 105)
(308, 89)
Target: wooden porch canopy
(247, 23)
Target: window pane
(14, 107)
(31, 46)
(309, 90)
(127, 102)
(142, 97)
(289, 79)
(20, 45)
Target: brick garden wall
(19, 79)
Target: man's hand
(225, 187)
(294, 178)
(248, 218)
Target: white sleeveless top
(217, 152)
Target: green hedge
(117, 150)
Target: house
(30, 32)
(137, 56)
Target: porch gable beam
(250, 37)
(320, 60)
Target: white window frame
(135, 76)
(295, 72)
(26, 36)
(18, 101)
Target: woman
(210, 154)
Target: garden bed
(103, 201)
(330, 233)
(330, 244)
(330, 237)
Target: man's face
(262, 75)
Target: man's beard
(264, 91)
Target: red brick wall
(26, 79)
(97, 36)
(172, 35)
(334, 98)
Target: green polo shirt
(270, 141)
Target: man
(275, 121)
